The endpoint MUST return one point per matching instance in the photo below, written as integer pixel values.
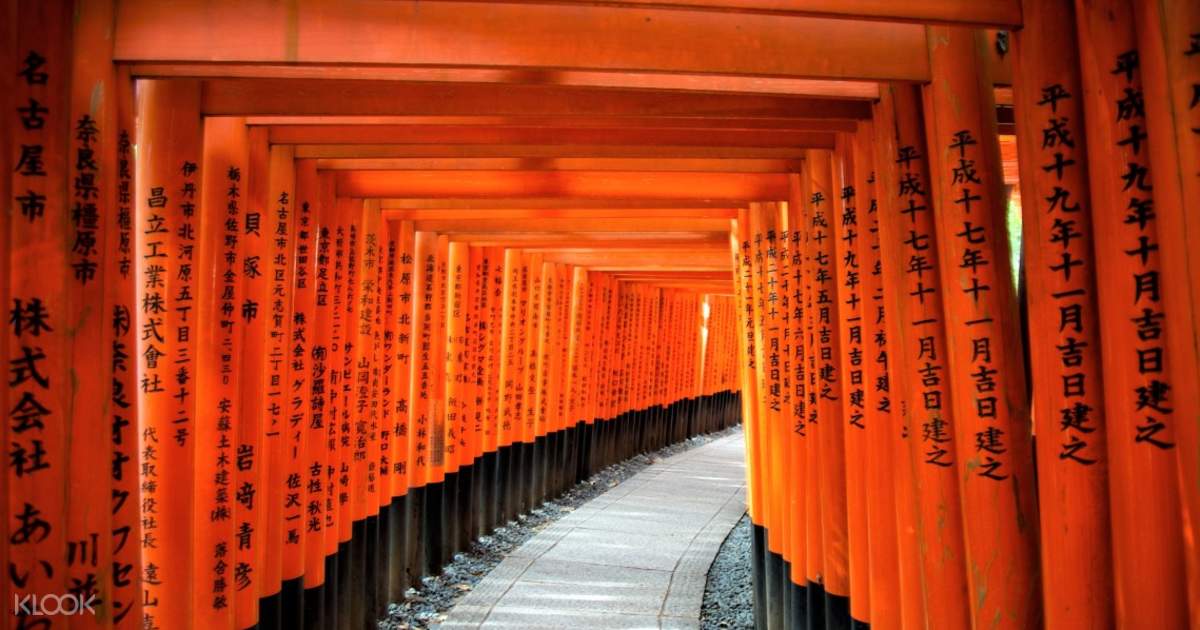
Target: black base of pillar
(268, 612)
(797, 595)
(773, 565)
(816, 606)
(837, 612)
(758, 576)
(291, 604)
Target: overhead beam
(625, 226)
(1001, 13)
(513, 35)
(535, 151)
(350, 97)
(558, 203)
(695, 82)
(511, 135)
(671, 240)
(694, 123)
(484, 212)
(692, 165)
(582, 184)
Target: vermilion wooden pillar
(1169, 46)
(1064, 348)
(251, 465)
(847, 229)
(277, 223)
(218, 368)
(1137, 336)
(91, 137)
(826, 350)
(169, 145)
(913, 295)
(120, 290)
(984, 360)
(879, 416)
(799, 438)
(303, 489)
(743, 255)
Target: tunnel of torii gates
(301, 297)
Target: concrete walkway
(634, 557)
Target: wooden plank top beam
(514, 35)
(1004, 13)
(553, 203)
(582, 184)
(624, 226)
(512, 135)
(690, 165)
(421, 214)
(694, 123)
(694, 82)
(351, 97)
(537, 151)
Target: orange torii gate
(298, 311)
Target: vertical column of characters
(218, 369)
(800, 191)
(477, 348)
(389, 247)
(302, 524)
(985, 360)
(456, 376)
(910, 264)
(1064, 348)
(827, 349)
(579, 284)
(774, 325)
(350, 212)
(168, 145)
(376, 419)
(38, 278)
(900, 438)
(420, 385)
(401, 383)
(91, 158)
(120, 283)
(880, 425)
(335, 216)
(437, 443)
(495, 312)
(796, 409)
(1148, 549)
(362, 467)
(741, 246)
(757, 301)
(317, 443)
(848, 271)
(278, 220)
(250, 548)
(546, 337)
(510, 293)
(533, 334)
(1169, 44)
(481, 288)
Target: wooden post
(846, 230)
(169, 145)
(1072, 464)
(913, 299)
(218, 370)
(1169, 47)
(984, 364)
(1147, 531)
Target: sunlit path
(635, 557)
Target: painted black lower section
(758, 576)
(773, 564)
(418, 533)
(837, 612)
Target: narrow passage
(635, 557)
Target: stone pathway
(635, 557)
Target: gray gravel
(425, 607)
(728, 595)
